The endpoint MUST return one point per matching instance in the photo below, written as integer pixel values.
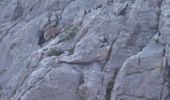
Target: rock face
(104, 50)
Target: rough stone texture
(104, 50)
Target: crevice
(139, 61)
(159, 17)
(166, 76)
(28, 70)
(139, 72)
(20, 83)
(123, 11)
(77, 62)
(109, 2)
(7, 31)
(81, 79)
(110, 85)
(161, 94)
(168, 81)
(35, 84)
(41, 39)
(18, 12)
(165, 69)
(99, 6)
(109, 53)
(135, 96)
(165, 73)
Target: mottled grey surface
(102, 50)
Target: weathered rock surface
(97, 50)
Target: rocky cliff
(84, 49)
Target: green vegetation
(55, 53)
(70, 29)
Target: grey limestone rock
(104, 50)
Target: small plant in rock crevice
(67, 33)
(55, 53)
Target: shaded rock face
(104, 50)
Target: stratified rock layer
(97, 50)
